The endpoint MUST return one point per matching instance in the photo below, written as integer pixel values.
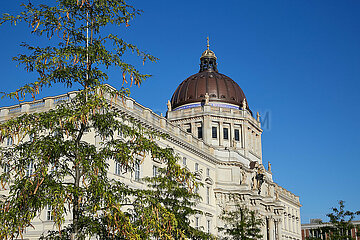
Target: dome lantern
(208, 59)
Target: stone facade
(225, 161)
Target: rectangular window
(49, 215)
(196, 222)
(237, 135)
(6, 167)
(30, 169)
(200, 135)
(9, 141)
(208, 172)
(137, 172)
(184, 161)
(226, 133)
(120, 134)
(208, 195)
(117, 168)
(208, 226)
(196, 167)
(155, 171)
(188, 130)
(214, 132)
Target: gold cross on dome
(208, 42)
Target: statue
(258, 116)
(207, 98)
(254, 183)
(243, 177)
(244, 104)
(260, 177)
(269, 167)
(268, 190)
(169, 106)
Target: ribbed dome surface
(219, 87)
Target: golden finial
(208, 43)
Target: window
(184, 161)
(49, 215)
(120, 134)
(197, 222)
(137, 172)
(155, 171)
(9, 141)
(117, 168)
(6, 167)
(200, 132)
(29, 170)
(196, 167)
(237, 135)
(188, 127)
(208, 195)
(214, 132)
(226, 133)
(208, 226)
(208, 172)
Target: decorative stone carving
(254, 183)
(169, 106)
(233, 142)
(268, 190)
(244, 104)
(207, 99)
(269, 167)
(243, 177)
(258, 116)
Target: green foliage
(51, 165)
(172, 191)
(241, 224)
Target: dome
(219, 87)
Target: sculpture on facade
(269, 167)
(169, 106)
(207, 99)
(259, 177)
(244, 104)
(233, 142)
(258, 116)
(243, 177)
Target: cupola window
(214, 132)
(226, 133)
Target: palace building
(211, 126)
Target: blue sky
(296, 60)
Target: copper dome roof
(220, 87)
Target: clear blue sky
(297, 60)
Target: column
(206, 128)
(232, 135)
(221, 134)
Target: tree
(178, 198)
(241, 224)
(50, 165)
(340, 224)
